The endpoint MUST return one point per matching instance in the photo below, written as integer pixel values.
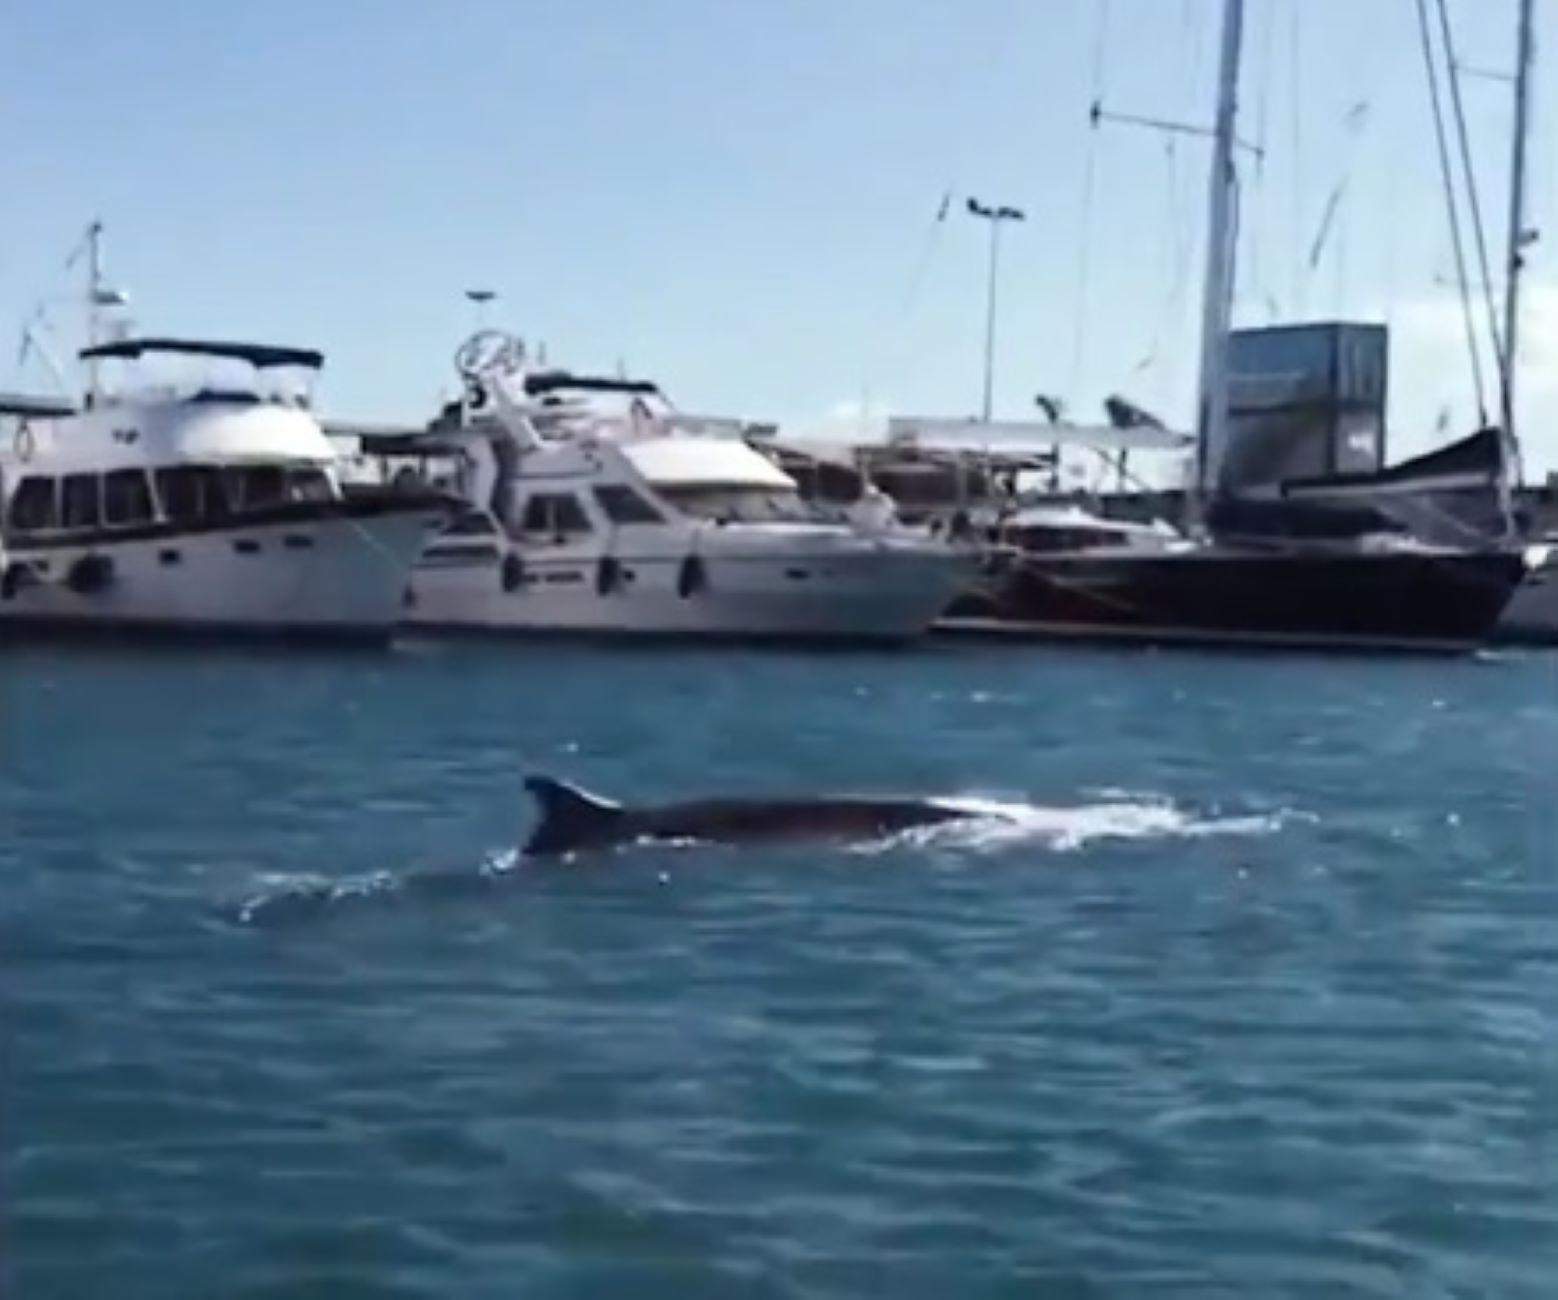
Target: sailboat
(1465, 488)
(1325, 575)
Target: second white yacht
(582, 525)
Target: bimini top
(689, 461)
(260, 355)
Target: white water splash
(998, 823)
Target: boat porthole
(607, 574)
(513, 572)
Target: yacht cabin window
(34, 506)
(622, 505)
(127, 498)
(743, 503)
(472, 523)
(557, 515)
(190, 493)
(254, 487)
(309, 483)
(80, 501)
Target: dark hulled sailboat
(1320, 572)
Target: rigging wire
(927, 251)
(1454, 212)
(1253, 244)
(1453, 66)
(1177, 237)
(1089, 186)
(1296, 100)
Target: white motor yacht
(581, 525)
(206, 507)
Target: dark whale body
(573, 819)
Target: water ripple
(1247, 994)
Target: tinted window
(190, 493)
(79, 501)
(470, 524)
(126, 497)
(255, 487)
(309, 485)
(556, 514)
(622, 505)
(35, 505)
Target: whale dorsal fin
(570, 817)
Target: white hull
(820, 586)
(330, 578)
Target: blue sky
(737, 198)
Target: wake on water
(994, 824)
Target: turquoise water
(1254, 993)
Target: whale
(573, 819)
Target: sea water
(1246, 986)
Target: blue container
(1306, 400)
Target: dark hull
(1445, 602)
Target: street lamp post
(995, 216)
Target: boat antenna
(481, 298)
(98, 296)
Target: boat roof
(687, 460)
(547, 381)
(28, 406)
(260, 355)
(1030, 436)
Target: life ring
(608, 574)
(692, 577)
(90, 574)
(513, 572)
(24, 443)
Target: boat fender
(90, 574)
(692, 577)
(608, 574)
(17, 577)
(513, 572)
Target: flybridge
(262, 356)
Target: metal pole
(995, 216)
(995, 261)
(1519, 236)
(1217, 299)
(94, 302)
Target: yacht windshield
(735, 503)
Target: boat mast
(1217, 293)
(96, 299)
(1519, 235)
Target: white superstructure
(581, 523)
(197, 503)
